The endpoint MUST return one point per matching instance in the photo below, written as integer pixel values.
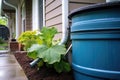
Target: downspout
(64, 21)
(15, 7)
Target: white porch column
(35, 15)
(17, 29)
(18, 21)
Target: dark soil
(43, 74)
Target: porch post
(35, 15)
(18, 21)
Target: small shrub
(28, 38)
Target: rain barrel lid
(94, 7)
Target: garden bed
(43, 74)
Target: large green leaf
(34, 49)
(47, 35)
(62, 66)
(49, 55)
(52, 54)
(32, 55)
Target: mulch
(43, 74)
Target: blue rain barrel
(95, 34)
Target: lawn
(3, 46)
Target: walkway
(9, 67)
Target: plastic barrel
(95, 34)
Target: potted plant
(14, 45)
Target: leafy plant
(49, 51)
(28, 38)
(3, 20)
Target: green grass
(3, 46)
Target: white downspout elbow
(64, 21)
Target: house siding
(89, 1)
(53, 15)
(73, 4)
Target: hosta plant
(49, 52)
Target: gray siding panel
(49, 2)
(56, 12)
(53, 13)
(73, 4)
(88, 1)
(58, 36)
(58, 27)
(54, 21)
(53, 5)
